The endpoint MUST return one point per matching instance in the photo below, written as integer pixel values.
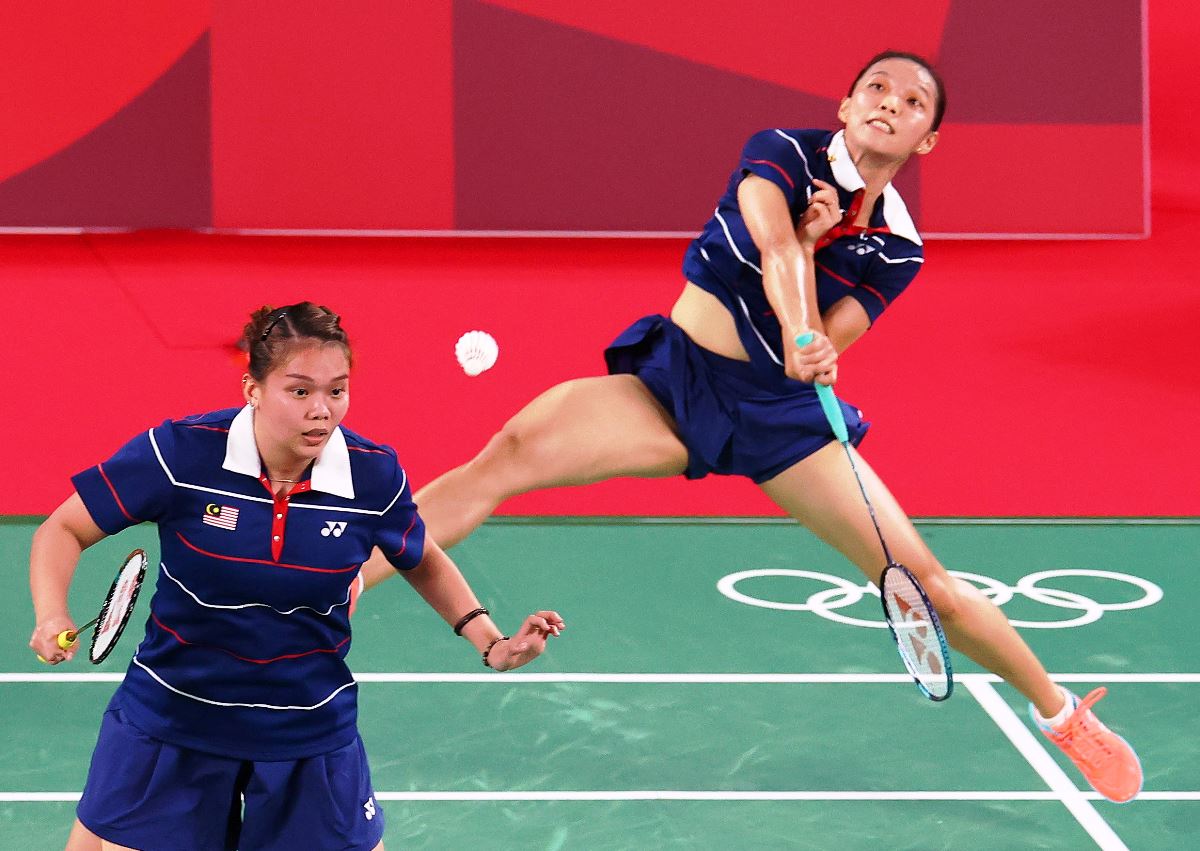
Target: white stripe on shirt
(746, 311)
(732, 244)
(188, 591)
(800, 151)
(182, 693)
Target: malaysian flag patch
(224, 516)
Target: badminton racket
(114, 612)
(910, 616)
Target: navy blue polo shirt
(249, 626)
(872, 267)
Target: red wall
(1015, 378)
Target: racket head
(914, 625)
(118, 605)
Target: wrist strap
(466, 619)
(489, 647)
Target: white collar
(331, 473)
(895, 213)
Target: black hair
(270, 334)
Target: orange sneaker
(1106, 760)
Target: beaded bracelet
(466, 619)
(488, 649)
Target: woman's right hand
(814, 362)
(44, 641)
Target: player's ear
(250, 390)
(926, 144)
(843, 110)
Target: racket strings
(917, 634)
(118, 606)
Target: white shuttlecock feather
(476, 352)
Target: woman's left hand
(527, 643)
(820, 216)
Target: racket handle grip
(66, 639)
(829, 400)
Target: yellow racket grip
(65, 639)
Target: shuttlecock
(476, 352)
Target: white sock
(1063, 714)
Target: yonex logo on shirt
(333, 527)
(369, 806)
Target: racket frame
(108, 600)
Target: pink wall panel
(541, 115)
(1048, 179)
(70, 65)
(332, 116)
(801, 46)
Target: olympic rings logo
(842, 593)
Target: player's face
(890, 113)
(302, 401)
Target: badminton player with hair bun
(236, 723)
(809, 237)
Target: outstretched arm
(438, 580)
(57, 545)
(787, 266)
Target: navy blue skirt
(734, 419)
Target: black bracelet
(466, 619)
(488, 649)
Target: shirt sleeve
(401, 534)
(779, 158)
(885, 281)
(132, 486)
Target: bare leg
(821, 493)
(576, 433)
(82, 839)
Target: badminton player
(810, 236)
(236, 723)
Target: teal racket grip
(829, 400)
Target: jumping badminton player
(809, 236)
(239, 696)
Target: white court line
(1061, 788)
(1018, 733)
(586, 677)
(685, 795)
